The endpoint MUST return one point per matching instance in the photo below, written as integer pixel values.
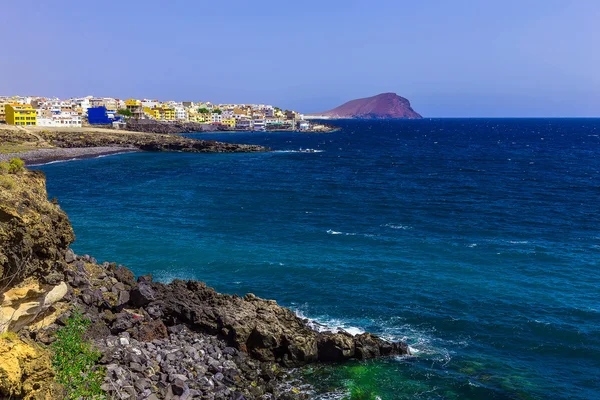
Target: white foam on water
(423, 344)
(299, 151)
(368, 235)
(472, 245)
(55, 162)
(397, 226)
(331, 325)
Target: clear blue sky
(449, 58)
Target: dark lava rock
(153, 330)
(124, 275)
(141, 295)
(179, 387)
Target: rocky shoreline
(37, 146)
(180, 340)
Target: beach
(44, 156)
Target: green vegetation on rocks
(13, 166)
(74, 360)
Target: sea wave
(329, 325)
(299, 151)
(332, 232)
(55, 162)
(423, 344)
(398, 226)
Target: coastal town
(27, 111)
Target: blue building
(99, 116)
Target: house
(228, 114)
(180, 113)
(20, 114)
(100, 116)
(135, 106)
(216, 118)
(230, 122)
(59, 118)
(168, 113)
(243, 124)
(273, 121)
(2, 112)
(258, 124)
(153, 113)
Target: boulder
(153, 330)
(335, 347)
(125, 276)
(141, 295)
(28, 303)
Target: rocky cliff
(177, 340)
(385, 105)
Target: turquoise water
(476, 241)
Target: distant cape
(385, 105)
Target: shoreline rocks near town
(37, 146)
(180, 340)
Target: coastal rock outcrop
(34, 233)
(34, 237)
(263, 329)
(142, 141)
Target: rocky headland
(37, 145)
(177, 340)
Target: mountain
(385, 105)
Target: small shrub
(16, 165)
(6, 182)
(4, 167)
(74, 360)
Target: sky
(496, 58)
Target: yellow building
(20, 114)
(131, 103)
(229, 122)
(195, 117)
(135, 106)
(3, 112)
(153, 112)
(168, 114)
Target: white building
(62, 119)
(243, 124)
(180, 113)
(258, 124)
(216, 118)
(150, 103)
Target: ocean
(477, 241)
